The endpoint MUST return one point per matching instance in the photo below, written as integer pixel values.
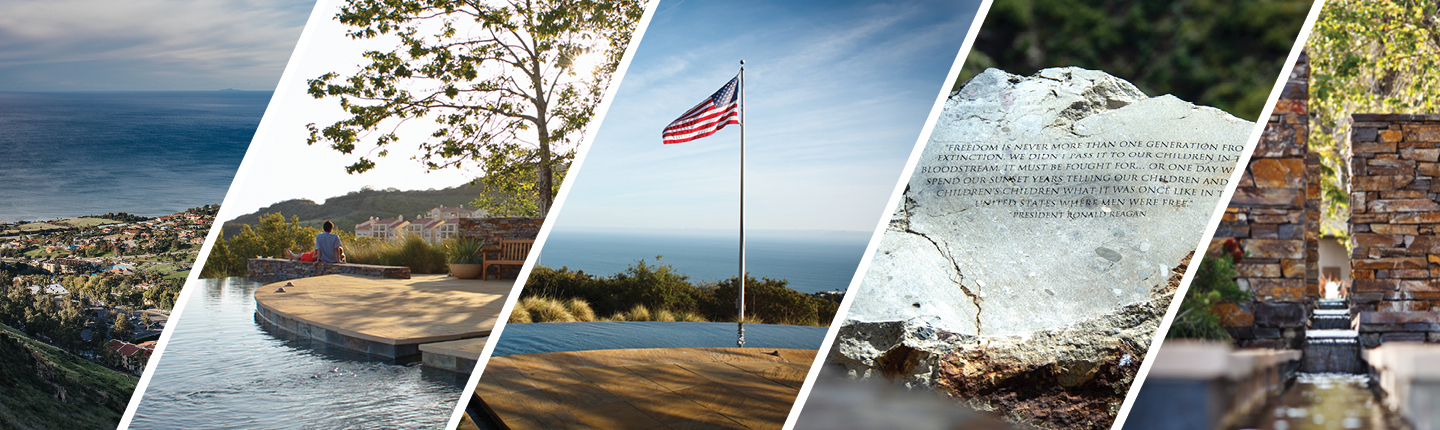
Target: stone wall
(1395, 226)
(493, 231)
(1268, 217)
(269, 270)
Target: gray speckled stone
(1043, 201)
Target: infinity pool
(535, 338)
(222, 370)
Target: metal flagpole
(740, 342)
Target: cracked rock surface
(1055, 203)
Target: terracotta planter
(466, 271)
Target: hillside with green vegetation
(1221, 53)
(42, 387)
(655, 292)
(357, 206)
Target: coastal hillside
(42, 387)
(357, 206)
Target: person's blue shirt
(326, 245)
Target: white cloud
(147, 44)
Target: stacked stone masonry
(494, 230)
(1395, 227)
(268, 270)
(1270, 217)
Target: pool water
(220, 369)
(533, 338)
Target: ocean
(811, 263)
(147, 153)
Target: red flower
(1233, 248)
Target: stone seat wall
(269, 270)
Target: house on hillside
(382, 228)
(431, 229)
(132, 356)
(448, 213)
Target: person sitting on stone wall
(327, 248)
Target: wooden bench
(512, 253)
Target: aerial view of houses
(100, 287)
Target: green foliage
(771, 300)
(360, 250)
(1214, 283)
(580, 309)
(465, 251)
(655, 292)
(420, 256)
(274, 235)
(520, 315)
(1367, 56)
(1221, 53)
(655, 286)
(417, 254)
(47, 388)
(509, 190)
(498, 80)
(545, 309)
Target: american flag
(708, 117)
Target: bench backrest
(516, 249)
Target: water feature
(1334, 390)
(1325, 401)
(1330, 344)
(220, 369)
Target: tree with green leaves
(122, 328)
(274, 235)
(500, 80)
(1221, 53)
(1367, 56)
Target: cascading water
(1332, 392)
(1331, 346)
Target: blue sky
(836, 94)
(155, 45)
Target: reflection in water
(221, 370)
(1326, 401)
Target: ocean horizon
(809, 262)
(148, 153)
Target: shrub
(654, 292)
(465, 251)
(638, 313)
(580, 309)
(1214, 283)
(519, 314)
(545, 309)
(766, 299)
(361, 250)
(417, 254)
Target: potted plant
(466, 261)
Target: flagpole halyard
(740, 342)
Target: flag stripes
(708, 117)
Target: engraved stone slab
(1047, 200)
